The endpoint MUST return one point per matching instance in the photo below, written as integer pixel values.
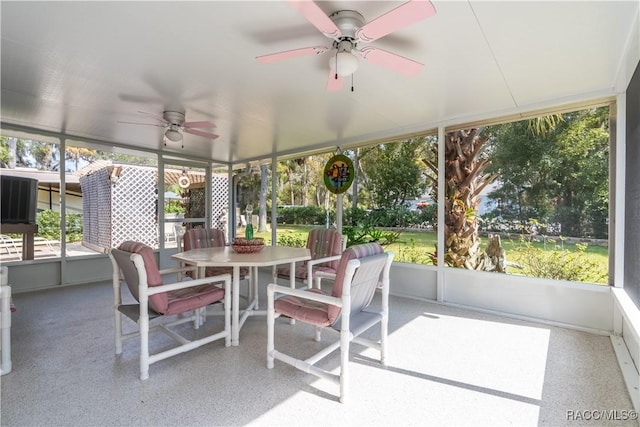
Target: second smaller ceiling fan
(175, 124)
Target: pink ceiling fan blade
(160, 118)
(397, 63)
(287, 54)
(200, 133)
(334, 84)
(317, 17)
(203, 124)
(402, 16)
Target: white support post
(440, 285)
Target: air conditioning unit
(18, 200)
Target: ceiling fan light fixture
(344, 63)
(173, 135)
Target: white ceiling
(82, 67)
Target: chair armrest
(190, 283)
(273, 288)
(322, 275)
(174, 270)
(313, 262)
(325, 275)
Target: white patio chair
(156, 299)
(346, 310)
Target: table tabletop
(226, 256)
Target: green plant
(559, 263)
(290, 238)
(366, 233)
(174, 207)
(49, 225)
(413, 253)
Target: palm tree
(465, 164)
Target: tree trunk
(465, 180)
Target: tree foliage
(559, 176)
(395, 173)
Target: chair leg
(383, 341)
(144, 342)
(270, 328)
(318, 334)
(344, 365)
(118, 332)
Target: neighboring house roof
(46, 179)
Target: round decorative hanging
(338, 174)
(184, 181)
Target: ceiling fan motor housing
(174, 117)
(348, 21)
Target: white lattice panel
(134, 204)
(219, 201)
(96, 206)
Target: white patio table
(227, 257)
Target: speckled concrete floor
(447, 367)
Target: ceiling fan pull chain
(352, 82)
(336, 66)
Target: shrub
(560, 264)
(414, 254)
(290, 238)
(302, 215)
(366, 234)
(49, 225)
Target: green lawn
(417, 247)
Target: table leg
(292, 284)
(235, 307)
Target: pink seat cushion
(203, 238)
(322, 243)
(216, 271)
(188, 299)
(317, 313)
(172, 302)
(301, 271)
(313, 312)
(158, 302)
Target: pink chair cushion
(313, 312)
(203, 238)
(158, 302)
(301, 271)
(321, 242)
(188, 299)
(172, 302)
(197, 238)
(324, 242)
(321, 314)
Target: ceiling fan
(174, 122)
(347, 29)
